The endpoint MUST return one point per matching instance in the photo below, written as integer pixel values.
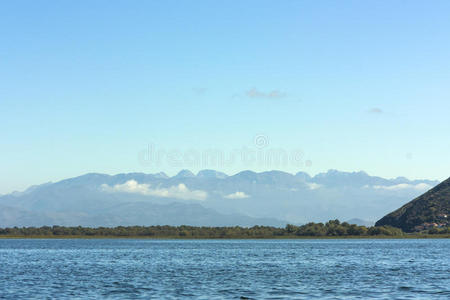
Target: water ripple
(235, 269)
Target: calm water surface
(225, 269)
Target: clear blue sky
(85, 86)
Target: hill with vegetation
(428, 211)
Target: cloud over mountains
(179, 191)
(237, 195)
(404, 186)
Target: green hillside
(430, 210)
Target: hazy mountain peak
(343, 173)
(211, 174)
(360, 222)
(356, 179)
(30, 189)
(161, 175)
(303, 176)
(184, 174)
(130, 175)
(86, 178)
(276, 173)
(94, 175)
(247, 174)
(274, 177)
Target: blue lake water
(224, 269)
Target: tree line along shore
(330, 229)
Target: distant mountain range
(209, 198)
(429, 210)
(360, 222)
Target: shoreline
(378, 237)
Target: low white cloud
(404, 186)
(180, 191)
(237, 195)
(313, 186)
